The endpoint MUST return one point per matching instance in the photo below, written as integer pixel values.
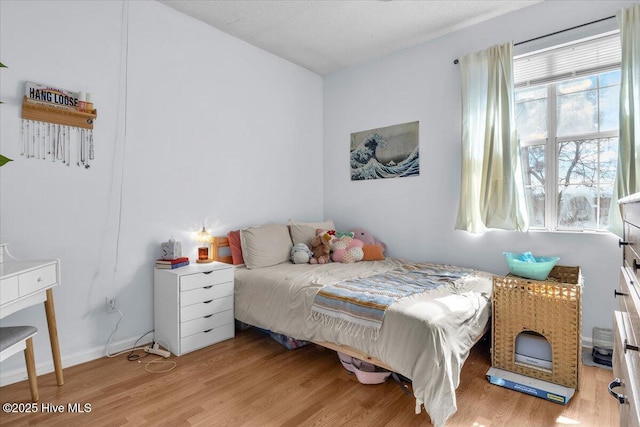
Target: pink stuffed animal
(347, 249)
(367, 238)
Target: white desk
(27, 283)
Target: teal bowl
(538, 270)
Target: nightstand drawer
(37, 279)
(207, 293)
(205, 308)
(205, 323)
(206, 278)
(204, 339)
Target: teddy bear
(347, 249)
(320, 249)
(300, 253)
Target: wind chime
(57, 125)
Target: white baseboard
(20, 374)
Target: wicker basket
(552, 308)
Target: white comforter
(425, 337)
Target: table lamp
(204, 238)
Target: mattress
(425, 337)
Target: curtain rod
(455, 61)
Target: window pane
(609, 108)
(586, 172)
(578, 162)
(577, 85)
(610, 79)
(536, 201)
(576, 206)
(578, 113)
(606, 191)
(531, 119)
(531, 93)
(608, 160)
(534, 180)
(535, 165)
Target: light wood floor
(253, 381)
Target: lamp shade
(203, 236)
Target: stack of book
(172, 263)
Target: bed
(424, 336)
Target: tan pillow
(372, 252)
(303, 232)
(266, 245)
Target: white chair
(16, 338)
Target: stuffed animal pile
(354, 245)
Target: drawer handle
(207, 316)
(207, 272)
(622, 243)
(619, 397)
(208, 330)
(628, 346)
(616, 293)
(207, 302)
(39, 279)
(208, 287)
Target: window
(568, 132)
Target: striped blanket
(358, 305)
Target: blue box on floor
(535, 387)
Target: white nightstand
(193, 306)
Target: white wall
(416, 216)
(215, 131)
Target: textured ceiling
(325, 35)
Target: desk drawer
(203, 339)
(207, 293)
(205, 308)
(200, 280)
(9, 289)
(37, 279)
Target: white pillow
(303, 232)
(265, 245)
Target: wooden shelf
(62, 116)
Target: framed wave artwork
(387, 152)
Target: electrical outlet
(111, 305)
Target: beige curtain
(492, 186)
(628, 173)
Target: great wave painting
(388, 152)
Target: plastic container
(347, 361)
(366, 373)
(538, 270)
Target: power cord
(157, 361)
(132, 357)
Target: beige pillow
(303, 232)
(266, 245)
